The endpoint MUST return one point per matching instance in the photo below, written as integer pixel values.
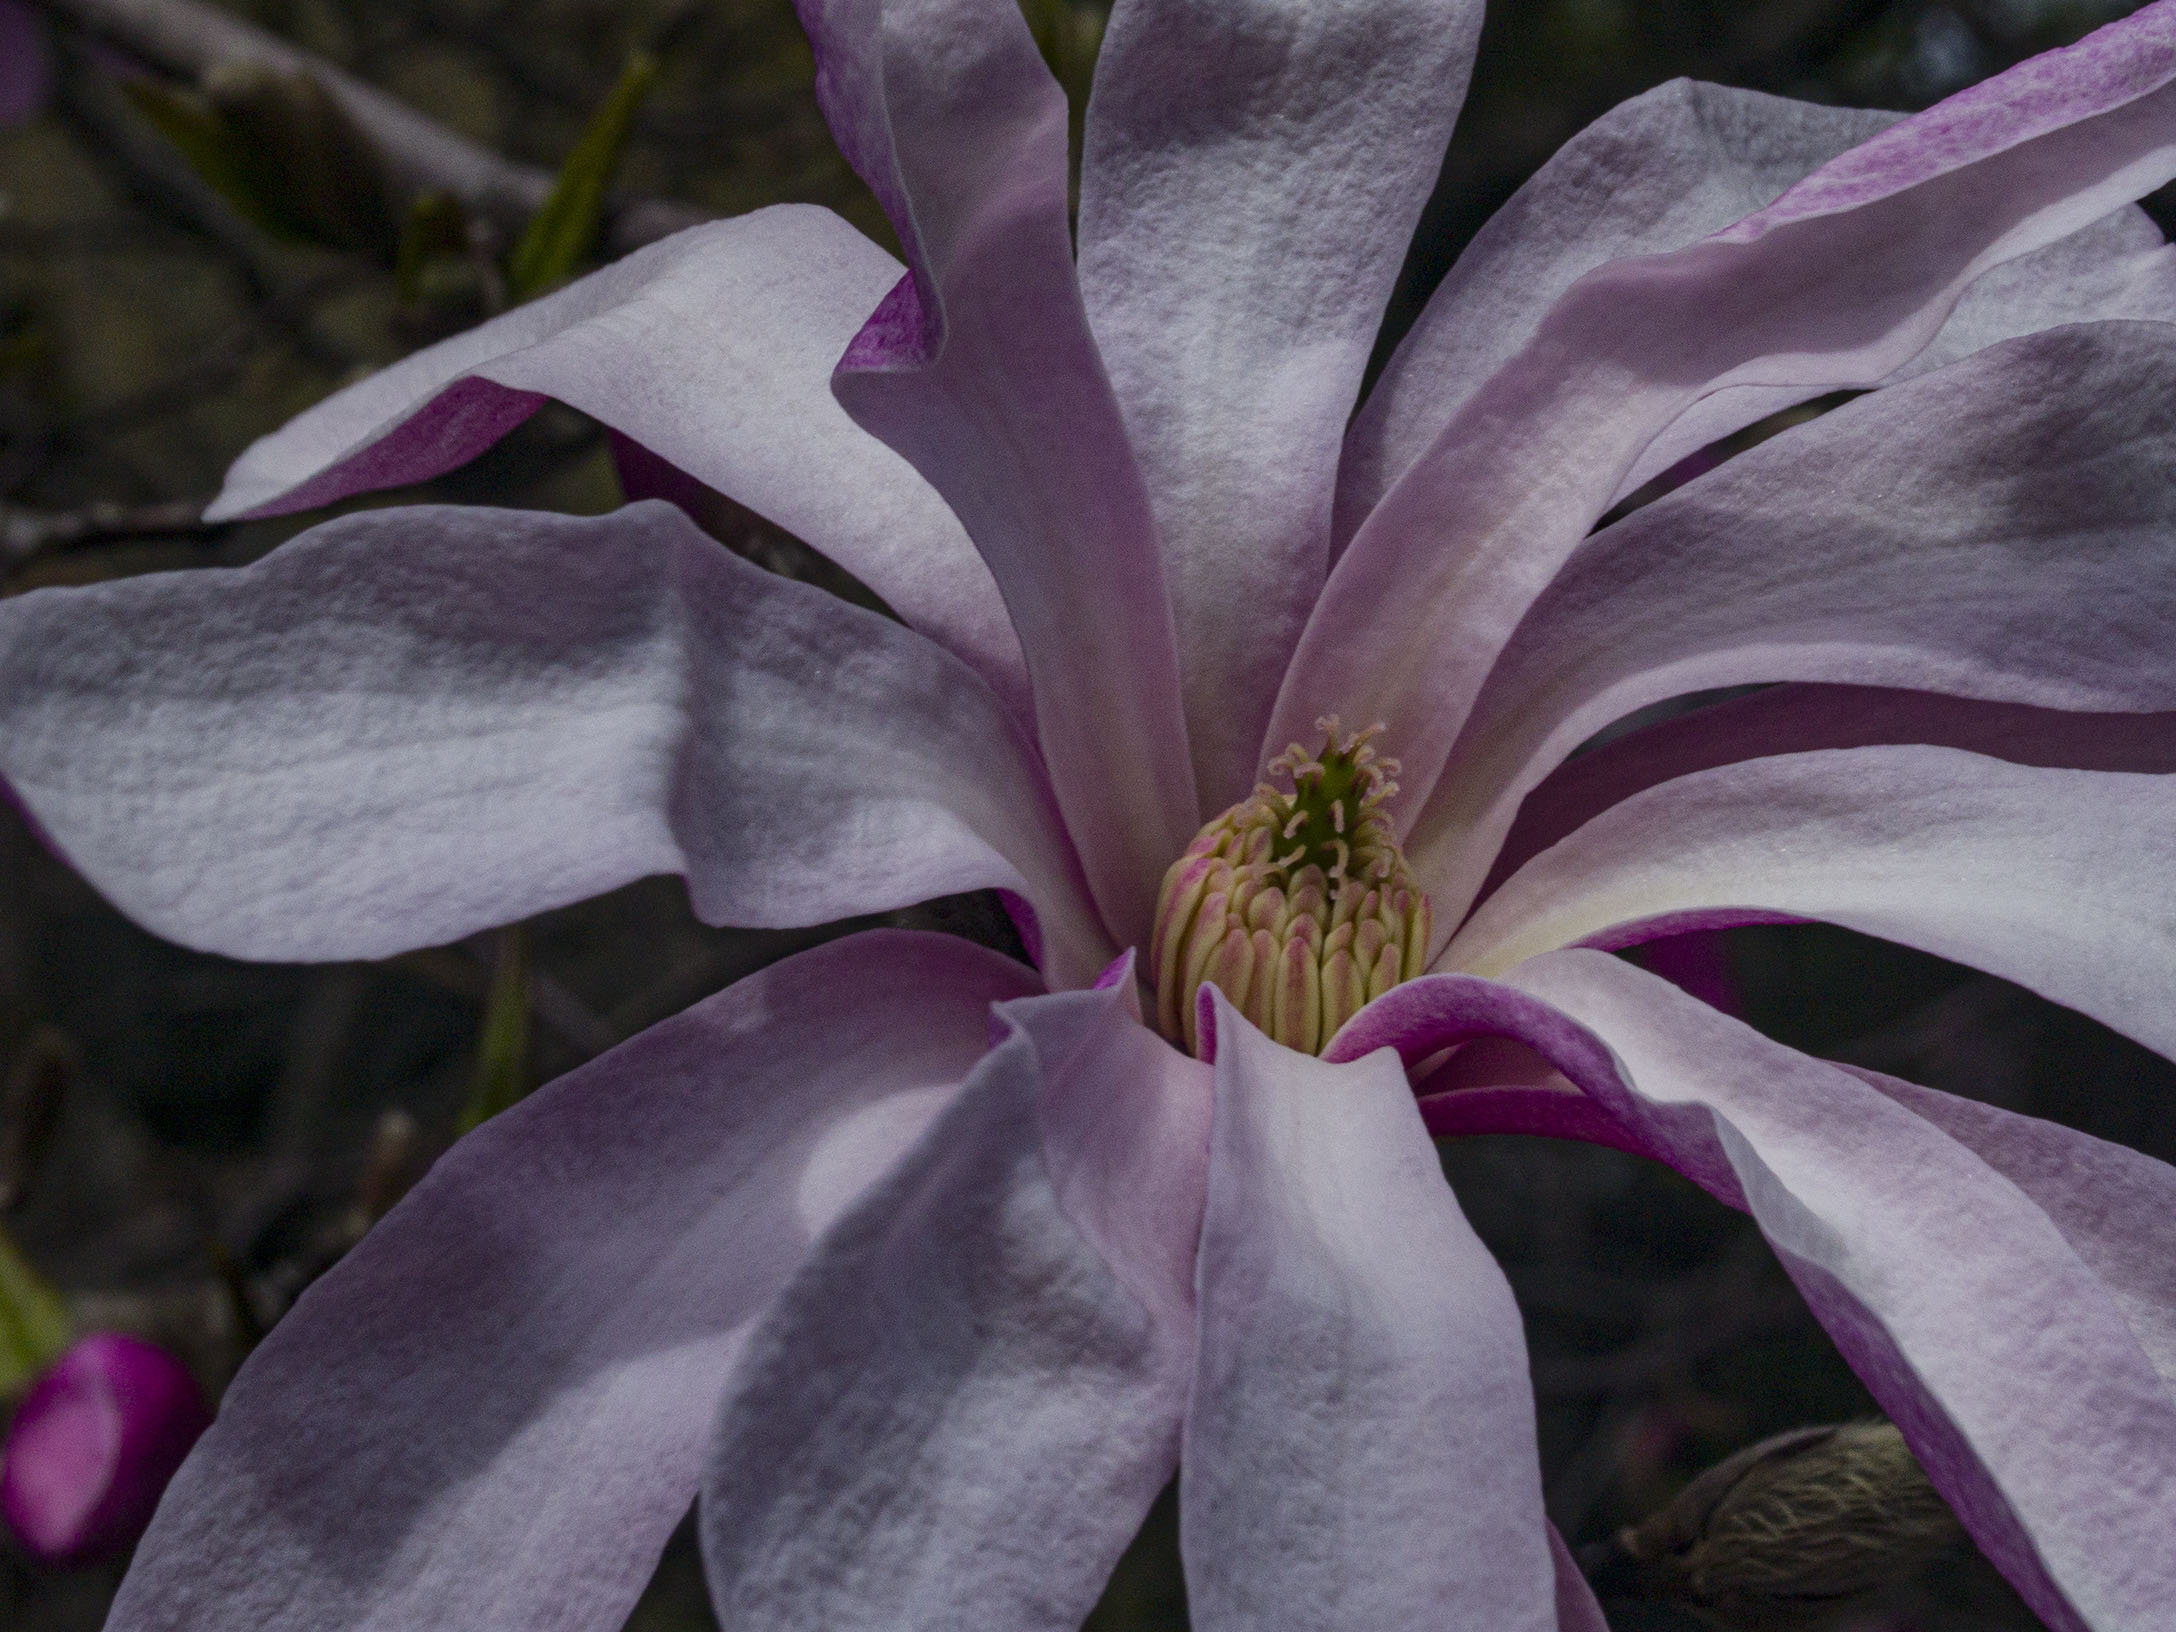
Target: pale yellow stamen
(1297, 905)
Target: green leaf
(34, 1326)
(324, 172)
(282, 150)
(502, 1046)
(562, 233)
(221, 155)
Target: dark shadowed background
(216, 1133)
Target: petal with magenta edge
(2002, 1352)
(2001, 529)
(1251, 174)
(1360, 1451)
(408, 725)
(980, 369)
(2063, 881)
(1843, 280)
(960, 1410)
(714, 351)
(493, 1412)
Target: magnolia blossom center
(1296, 905)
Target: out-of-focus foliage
(561, 235)
(34, 1323)
(502, 1039)
(281, 151)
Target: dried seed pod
(1790, 1534)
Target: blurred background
(185, 1141)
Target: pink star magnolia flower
(929, 1304)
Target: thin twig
(187, 37)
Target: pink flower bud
(94, 1443)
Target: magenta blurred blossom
(94, 1443)
(927, 1269)
(26, 66)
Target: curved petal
(2119, 267)
(1250, 179)
(406, 725)
(1795, 719)
(1842, 280)
(979, 367)
(960, 1410)
(2064, 881)
(1971, 1314)
(492, 1413)
(714, 350)
(2003, 529)
(1360, 1450)
(1652, 175)
(2115, 1207)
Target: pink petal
(494, 1411)
(1653, 174)
(1974, 1317)
(1998, 529)
(1791, 719)
(2060, 880)
(713, 350)
(2119, 267)
(2115, 1207)
(981, 370)
(407, 725)
(1842, 281)
(1360, 1451)
(960, 1409)
(1251, 179)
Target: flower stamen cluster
(1297, 905)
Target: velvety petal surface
(960, 1410)
(2119, 267)
(1982, 1322)
(712, 349)
(1360, 1450)
(980, 368)
(1251, 175)
(1792, 719)
(2004, 528)
(1843, 280)
(493, 1412)
(407, 725)
(2116, 1207)
(2061, 880)
(1652, 175)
